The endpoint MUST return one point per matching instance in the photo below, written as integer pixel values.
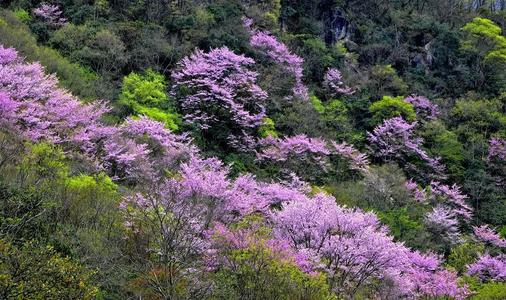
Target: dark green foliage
(445, 144)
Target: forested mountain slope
(256, 149)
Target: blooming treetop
(394, 139)
(488, 235)
(489, 268)
(42, 109)
(51, 14)
(305, 156)
(217, 90)
(275, 50)
(425, 109)
(333, 81)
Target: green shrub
(389, 107)
(33, 271)
(144, 94)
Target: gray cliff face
(337, 28)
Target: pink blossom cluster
(417, 193)
(354, 249)
(33, 103)
(425, 109)
(443, 222)
(224, 240)
(301, 154)
(450, 208)
(275, 50)
(51, 14)
(489, 268)
(141, 150)
(429, 279)
(488, 235)
(496, 160)
(497, 149)
(218, 90)
(395, 139)
(453, 198)
(333, 82)
(357, 161)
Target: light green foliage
(389, 107)
(22, 15)
(337, 119)
(464, 254)
(268, 128)
(486, 37)
(336, 113)
(335, 116)
(491, 291)
(478, 117)
(144, 94)
(402, 226)
(38, 272)
(317, 104)
(44, 160)
(90, 199)
(502, 231)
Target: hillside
(264, 149)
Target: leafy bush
(37, 272)
(145, 94)
(389, 107)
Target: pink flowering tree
(333, 82)
(33, 103)
(430, 279)
(486, 234)
(450, 212)
(250, 233)
(267, 44)
(489, 268)
(442, 223)
(218, 94)
(176, 200)
(424, 108)
(394, 140)
(50, 14)
(355, 250)
(416, 192)
(142, 151)
(311, 158)
(453, 199)
(496, 159)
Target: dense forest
(260, 149)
